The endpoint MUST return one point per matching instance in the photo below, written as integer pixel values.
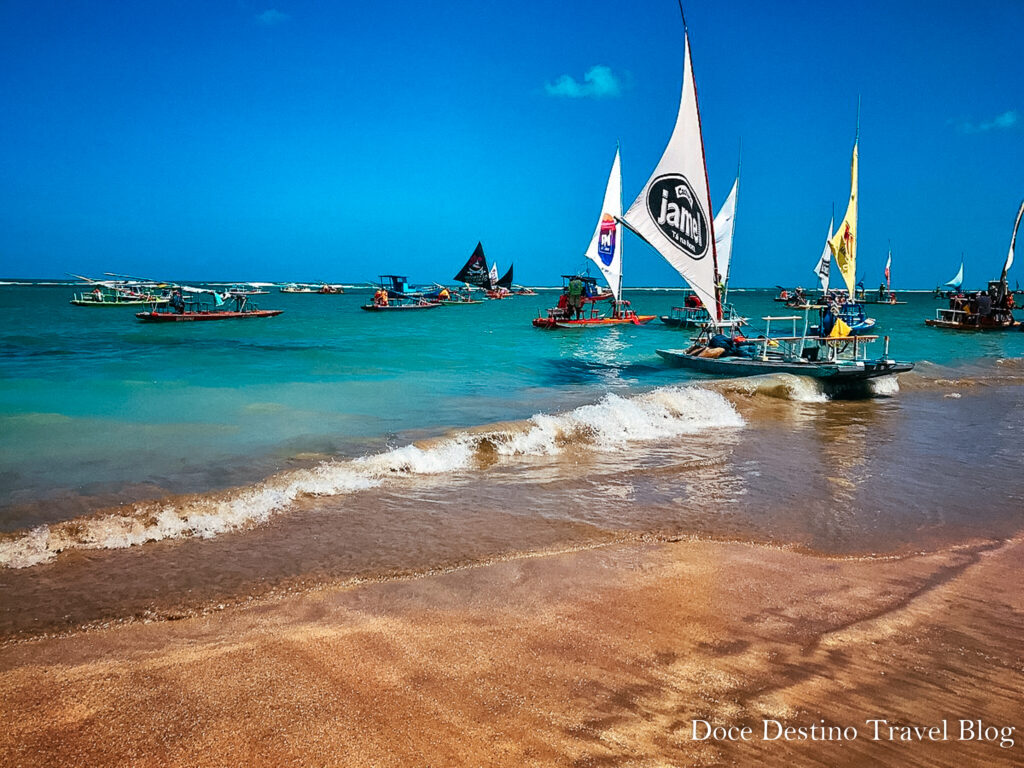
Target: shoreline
(597, 656)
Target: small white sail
(605, 247)
(1013, 241)
(825, 261)
(888, 271)
(673, 211)
(493, 275)
(725, 223)
(957, 281)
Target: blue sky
(287, 140)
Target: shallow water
(152, 470)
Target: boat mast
(619, 240)
(735, 207)
(707, 183)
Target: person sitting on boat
(693, 301)
(178, 302)
(444, 295)
(576, 289)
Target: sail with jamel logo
(673, 211)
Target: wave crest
(610, 423)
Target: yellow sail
(844, 242)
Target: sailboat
(693, 314)
(885, 296)
(672, 214)
(118, 293)
(605, 250)
(958, 280)
(987, 311)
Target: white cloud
(599, 82)
(1008, 119)
(272, 17)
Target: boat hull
(397, 307)
(191, 317)
(139, 303)
(550, 324)
(949, 325)
(741, 366)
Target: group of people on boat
(380, 297)
(995, 303)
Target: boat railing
(952, 315)
(794, 346)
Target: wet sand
(601, 656)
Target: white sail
(825, 261)
(493, 275)
(725, 223)
(1013, 241)
(673, 212)
(605, 247)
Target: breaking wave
(609, 424)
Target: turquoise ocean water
(95, 404)
(150, 470)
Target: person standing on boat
(576, 297)
(178, 302)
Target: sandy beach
(601, 656)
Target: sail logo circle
(676, 210)
(606, 240)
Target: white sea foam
(784, 386)
(610, 423)
(884, 386)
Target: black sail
(475, 270)
(506, 281)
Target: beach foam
(611, 423)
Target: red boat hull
(596, 322)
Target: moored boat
(578, 304)
(394, 296)
(836, 356)
(192, 310)
(991, 310)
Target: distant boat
(988, 311)
(192, 310)
(475, 271)
(117, 293)
(394, 296)
(605, 250)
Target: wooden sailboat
(672, 213)
(990, 310)
(605, 250)
(693, 314)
